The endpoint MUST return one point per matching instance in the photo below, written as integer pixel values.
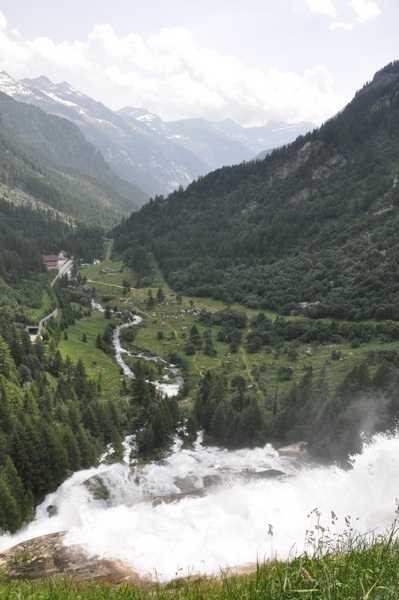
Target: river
(170, 383)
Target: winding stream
(169, 385)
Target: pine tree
(160, 429)
(139, 385)
(6, 361)
(87, 447)
(7, 420)
(145, 442)
(55, 456)
(160, 295)
(117, 446)
(150, 301)
(16, 487)
(10, 514)
(90, 421)
(80, 379)
(27, 455)
(72, 449)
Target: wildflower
(306, 577)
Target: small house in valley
(54, 261)
(51, 261)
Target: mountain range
(156, 156)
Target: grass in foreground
(364, 571)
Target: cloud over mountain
(172, 73)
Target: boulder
(269, 474)
(47, 556)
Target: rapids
(169, 385)
(240, 518)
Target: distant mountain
(134, 151)
(219, 143)
(156, 156)
(46, 163)
(197, 136)
(311, 228)
(266, 138)
(226, 143)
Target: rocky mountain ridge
(46, 161)
(156, 156)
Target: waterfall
(234, 515)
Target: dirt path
(196, 366)
(109, 250)
(248, 368)
(103, 283)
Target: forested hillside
(27, 231)
(311, 228)
(52, 422)
(56, 193)
(46, 161)
(53, 419)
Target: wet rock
(52, 510)
(169, 498)
(297, 448)
(298, 454)
(212, 480)
(98, 488)
(186, 484)
(269, 474)
(47, 556)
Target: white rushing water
(170, 384)
(230, 524)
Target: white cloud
(172, 75)
(321, 78)
(62, 56)
(342, 25)
(366, 10)
(104, 45)
(3, 22)
(323, 7)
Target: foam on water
(229, 525)
(169, 385)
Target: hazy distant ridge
(156, 156)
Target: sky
(252, 61)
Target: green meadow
(165, 330)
